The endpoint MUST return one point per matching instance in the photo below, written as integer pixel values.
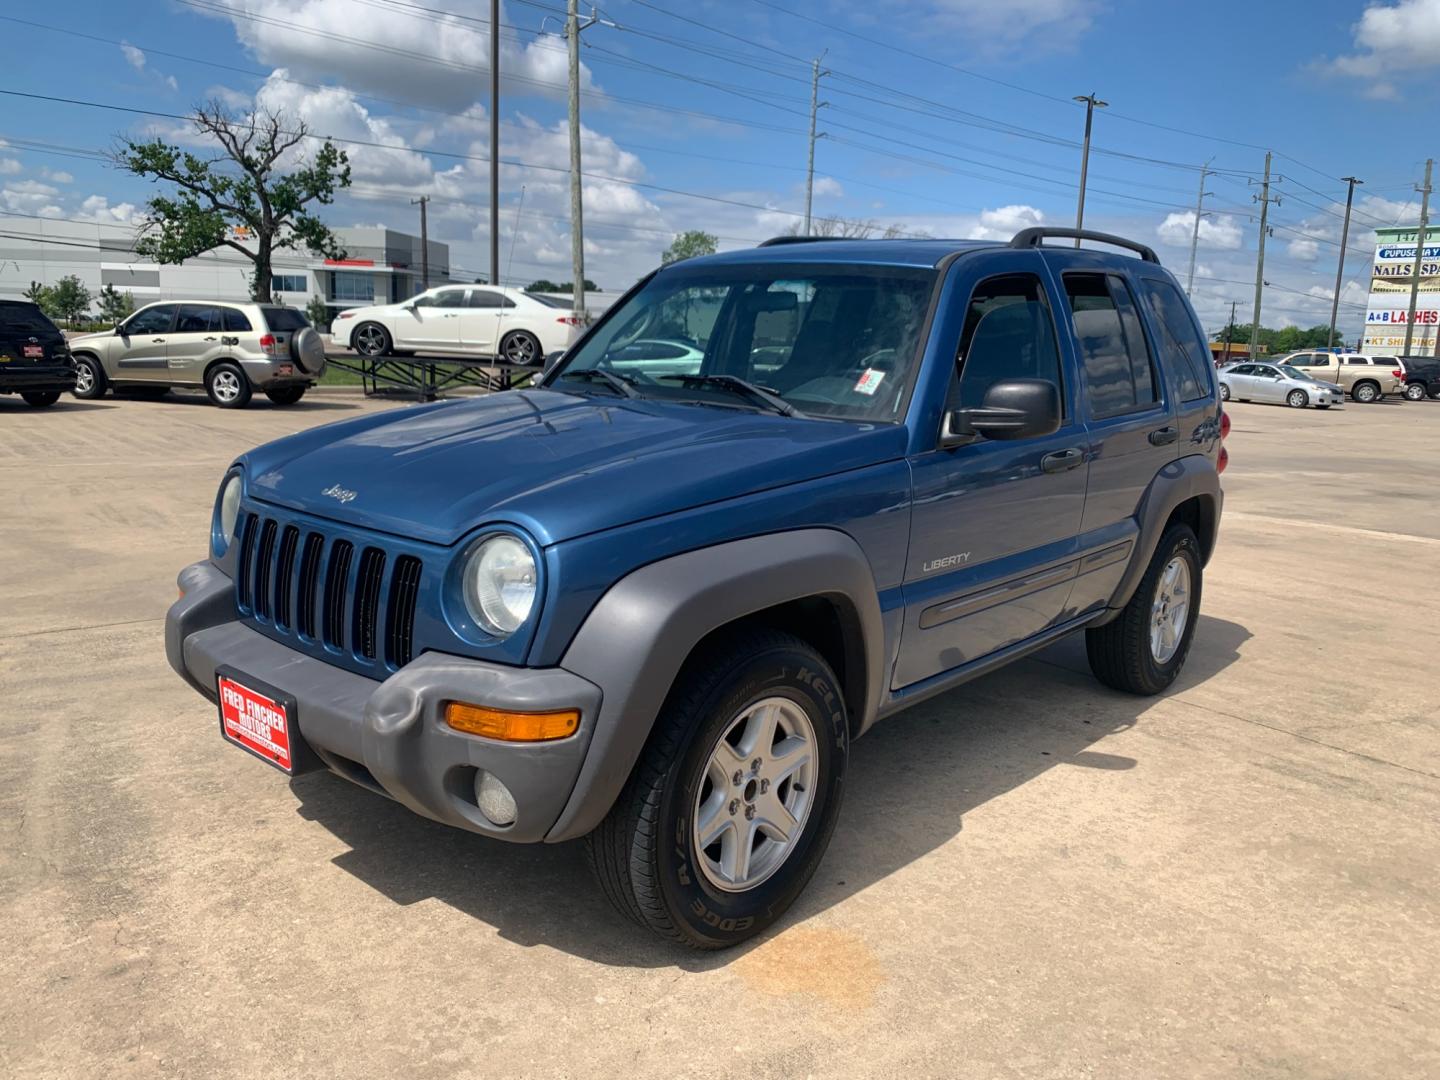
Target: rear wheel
(1297, 399)
(1414, 391)
(227, 386)
(286, 395)
(520, 347)
(732, 803)
(1365, 392)
(90, 381)
(41, 399)
(371, 339)
(1142, 650)
(1224, 392)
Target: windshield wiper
(771, 400)
(619, 383)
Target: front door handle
(157, 341)
(1164, 437)
(1062, 460)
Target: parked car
(655, 609)
(1365, 381)
(1277, 384)
(34, 359)
(230, 349)
(1422, 377)
(515, 326)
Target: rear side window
(236, 321)
(484, 298)
(1356, 360)
(285, 318)
(1180, 338)
(1009, 334)
(1316, 360)
(197, 319)
(25, 319)
(1113, 352)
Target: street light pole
(1091, 104)
(1340, 270)
(494, 142)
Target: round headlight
(500, 584)
(229, 511)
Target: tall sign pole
(1264, 200)
(1340, 270)
(423, 200)
(494, 142)
(1419, 259)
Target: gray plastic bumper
(390, 736)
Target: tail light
(1398, 374)
(269, 345)
(571, 320)
(1224, 458)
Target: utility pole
(1340, 270)
(424, 243)
(1229, 331)
(1419, 260)
(573, 26)
(1195, 232)
(815, 106)
(494, 142)
(1264, 199)
(1091, 104)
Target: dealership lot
(1032, 875)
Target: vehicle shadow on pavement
(63, 405)
(258, 402)
(912, 780)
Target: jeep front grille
(324, 597)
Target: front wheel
(286, 395)
(41, 399)
(1142, 650)
(732, 803)
(89, 378)
(1297, 399)
(372, 339)
(227, 386)
(1414, 391)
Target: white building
(1391, 276)
(381, 265)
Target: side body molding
(1182, 479)
(635, 640)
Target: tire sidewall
(710, 914)
(97, 383)
(1224, 392)
(1178, 540)
(241, 400)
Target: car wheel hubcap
(1365, 393)
(370, 341)
(1414, 393)
(84, 379)
(1297, 399)
(756, 795)
(227, 386)
(1169, 610)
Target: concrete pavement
(1032, 876)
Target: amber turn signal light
(511, 726)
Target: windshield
(831, 341)
(1296, 373)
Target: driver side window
(1009, 334)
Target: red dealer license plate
(262, 723)
(34, 352)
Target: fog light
(494, 799)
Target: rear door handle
(1062, 460)
(1164, 436)
(209, 339)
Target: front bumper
(390, 736)
(37, 378)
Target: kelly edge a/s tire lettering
(646, 849)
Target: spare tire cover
(308, 350)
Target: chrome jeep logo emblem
(338, 493)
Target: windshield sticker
(869, 382)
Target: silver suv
(231, 350)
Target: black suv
(34, 358)
(1422, 377)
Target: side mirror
(1013, 409)
(551, 359)
(120, 330)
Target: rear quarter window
(25, 319)
(284, 319)
(1186, 354)
(235, 321)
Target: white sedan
(515, 326)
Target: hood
(94, 336)
(560, 465)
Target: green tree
(239, 198)
(318, 313)
(43, 297)
(70, 298)
(543, 285)
(687, 245)
(115, 306)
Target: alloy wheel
(756, 795)
(520, 349)
(226, 385)
(84, 378)
(370, 340)
(1169, 609)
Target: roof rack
(776, 241)
(1036, 237)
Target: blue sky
(951, 117)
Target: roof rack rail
(1036, 237)
(776, 241)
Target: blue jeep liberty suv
(771, 497)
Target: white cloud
(828, 185)
(990, 27)
(322, 40)
(1392, 37)
(1215, 231)
(136, 59)
(9, 166)
(1005, 222)
(30, 197)
(60, 176)
(98, 208)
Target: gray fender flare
(636, 638)
(1182, 479)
